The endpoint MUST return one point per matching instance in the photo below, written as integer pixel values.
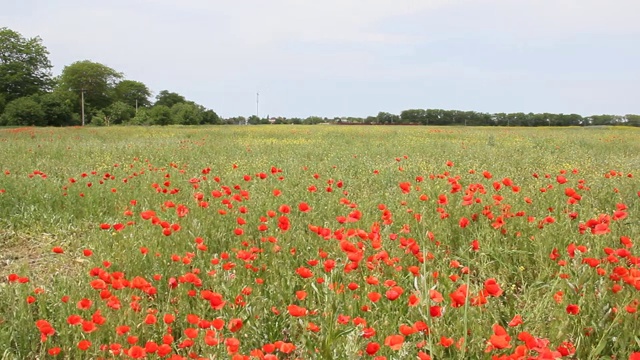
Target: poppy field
(319, 242)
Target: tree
(3, 103)
(433, 116)
(387, 118)
(370, 120)
(602, 119)
(169, 99)
(24, 111)
(119, 112)
(142, 117)
(633, 120)
(210, 117)
(186, 113)
(413, 116)
(312, 120)
(160, 115)
(24, 66)
(132, 93)
(96, 80)
(58, 107)
(253, 120)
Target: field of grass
(319, 242)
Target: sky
(355, 57)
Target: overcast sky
(355, 57)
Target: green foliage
(24, 65)
(186, 113)
(96, 80)
(132, 93)
(120, 112)
(633, 120)
(210, 117)
(253, 120)
(3, 103)
(100, 119)
(238, 120)
(24, 111)
(58, 107)
(169, 99)
(413, 116)
(142, 117)
(387, 118)
(311, 120)
(161, 115)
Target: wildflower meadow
(319, 242)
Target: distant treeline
(453, 117)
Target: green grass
(405, 239)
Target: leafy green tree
(253, 120)
(119, 112)
(58, 107)
(142, 117)
(186, 113)
(96, 80)
(433, 116)
(3, 103)
(169, 99)
(132, 93)
(566, 120)
(160, 115)
(210, 117)
(517, 119)
(387, 118)
(100, 119)
(632, 119)
(238, 120)
(370, 120)
(312, 120)
(25, 68)
(24, 111)
(602, 120)
(413, 116)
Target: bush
(25, 111)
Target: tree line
(88, 92)
(85, 92)
(452, 117)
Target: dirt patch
(32, 253)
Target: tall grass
(460, 232)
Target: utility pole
(82, 104)
(258, 105)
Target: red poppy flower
(446, 342)
(517, 320)
(394, 342)
(137, 352)
(84, 345)
(492, 287)
(372, 348)
(296, 311)
(84, 304)
(235, 325)
(304, 272)
(304, 207)
(573, 309)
